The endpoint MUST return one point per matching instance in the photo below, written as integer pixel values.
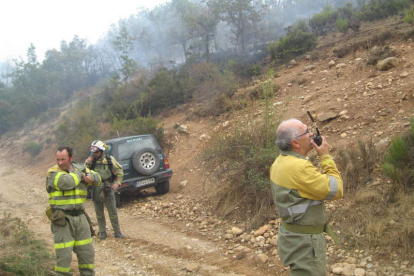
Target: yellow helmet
(98, 145)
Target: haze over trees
(178, 51)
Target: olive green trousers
(74, 236)
(303, 253)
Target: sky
(45, 23)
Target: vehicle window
(109, 150)
(130, 146)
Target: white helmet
(98, 145)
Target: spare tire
(146, 161)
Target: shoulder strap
(109, 160)
(93, 164)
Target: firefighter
(112, 174)
(67, 184)
(299, 191)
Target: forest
(157, 59)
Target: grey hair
(284, 135)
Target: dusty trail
(154, 245)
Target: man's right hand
(89, 160)
(323, 148)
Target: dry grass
(20, 252)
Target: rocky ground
(177, 234)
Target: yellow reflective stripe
(75, 177)
(67, 201)
(64, 245)
(62, 269)
(100, 180)
(90, 266)
(68, 193)
(56, 180)
(83, 242)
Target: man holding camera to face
(299, 190)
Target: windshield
(130, 146)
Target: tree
(241, 15)
(124, 43)
(203, 22)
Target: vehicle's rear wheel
(146, 161)
(118, 200)
(163, 187)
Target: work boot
(119, 235)
(102, 235)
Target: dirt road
(158, 241)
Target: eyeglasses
(306, 132)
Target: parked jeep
(143, 162)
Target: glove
(101, 196)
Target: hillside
(351, 99)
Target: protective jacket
(102, 168)
(66, 190)
(67, 195)
(299, 191)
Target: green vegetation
(297, 41)
(380, 216)
(241, 160)
(32, 148)
(409, 15)
(26, 255)
(399, 161)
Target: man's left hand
(115, 186)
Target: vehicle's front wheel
(163, 187)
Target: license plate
(144, 182)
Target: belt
(311, 229)
(74, 213)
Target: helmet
(98, 145)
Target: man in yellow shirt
(299, 191)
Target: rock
(359, 272)
(332, 63)
(383, 144)
(240, 255)
(337, 270)
(340, 65)
(262, 258)
(273, 241)
(293, 62)
(387, 64)
(325, 116)
(261, 230)
(236, 231)
(203, 137)
(308, 57)
(191, 267)
(183, 183)
(183, 129)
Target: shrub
(138, 126)
(25, 255)
(297, 41)
(378, 9)
(242, 159)
(342, 25)
(357, 165)
(409, 15)
(324, 21)
(32, 148)
(399, 160)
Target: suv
(143, 162)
